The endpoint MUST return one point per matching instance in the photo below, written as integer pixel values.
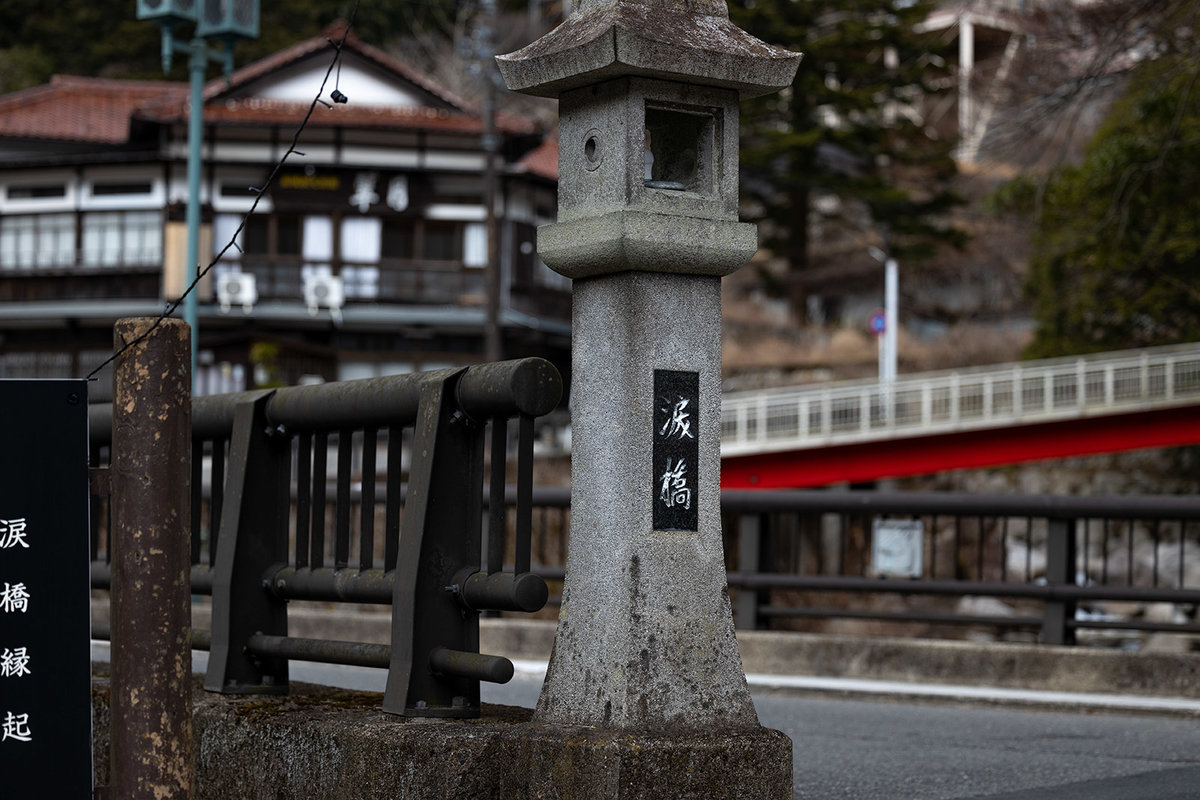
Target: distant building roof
(71, 108)
(100, 110)
(264, 111)
(542, 160)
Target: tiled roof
(542, 160)
(262, 111)
(81, 109)
(100, 110)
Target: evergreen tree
(850, 128)
(1116, 249)
(104, 37)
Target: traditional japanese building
(385, 207)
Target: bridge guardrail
(1065, 563)
(1064, 552)
(263, 550)
(941, 402)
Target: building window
(475, 245)
(288, 236)
(256, 236)
(397, 239)
(37, 192)
(45, 241)
(360, 240)
(236, 190)
(441, 241)
(360, 245)
(110, 189)
(223, 229)
(317, 240)
(122, 238)
(524, 255)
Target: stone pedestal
(319, 743)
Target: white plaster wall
(363, 85)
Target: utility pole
(892, 312)
(493, 345)
(891, 321)
(223, 22)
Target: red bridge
(989, 416)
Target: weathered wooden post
(151, 731)
(647, 226)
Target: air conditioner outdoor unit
(237, 288)
(328, 291)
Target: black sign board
(45, 590)
(676, 450)
(380, 193)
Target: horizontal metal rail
(1141, 507)
(331, 585)
(358, 654)
(901, 616)
(486, 390)
(1134, 625)
(1039, 591)
(1128, 506)
(1019, 393)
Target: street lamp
(225, 21)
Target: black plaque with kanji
(45, 590)
(676, 432)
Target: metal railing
(1059, 564)
(271, 533)
(1074, 557)
(942, 402)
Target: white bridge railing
(940, 402)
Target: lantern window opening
(680, 149)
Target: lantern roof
(683, 40)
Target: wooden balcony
(405, 282)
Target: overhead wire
(174, 305)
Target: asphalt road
(886, 750)
(899, 751)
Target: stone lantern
(647, 226)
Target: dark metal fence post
(151, 731)
(254, 529)
(751, 530)
(1060, 570)
(435, 645)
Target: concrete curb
(998, 666)
(864, 665)
(857, 689)
(854, 689)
